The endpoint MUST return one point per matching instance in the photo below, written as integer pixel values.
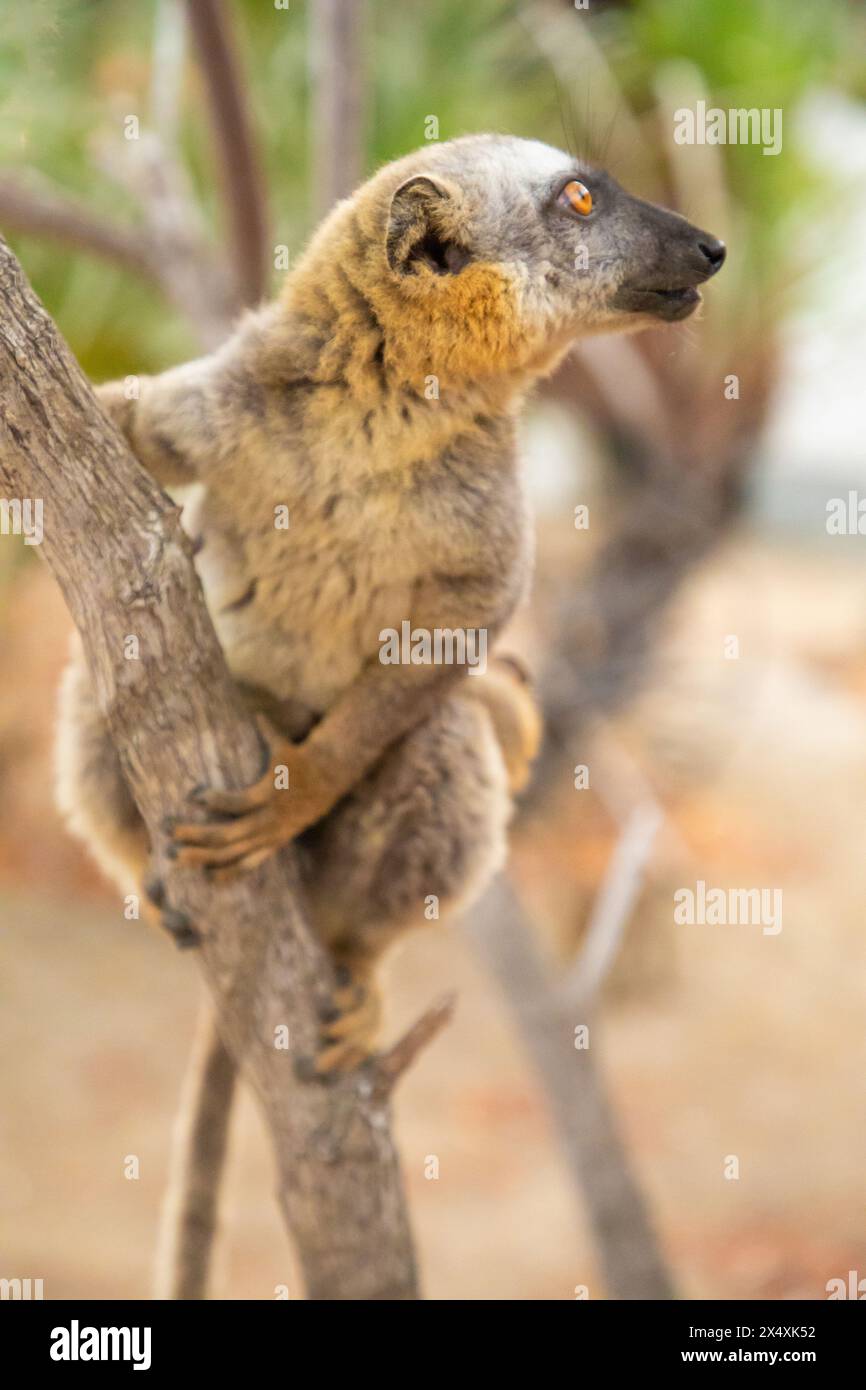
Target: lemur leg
(421, 835)
(96, 803)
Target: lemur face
(573, 251)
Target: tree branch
(240, 169)
(391, 1065)
(114, 543)
(631, 1262)
(612, 909)
(193, 277)
(189, 1217)
(337, 118)
(38, 208)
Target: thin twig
(390, 1066)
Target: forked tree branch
(114, 543)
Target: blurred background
(698, 634)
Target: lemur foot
(350, 1022)
(253, 823)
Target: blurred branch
(172, 248)
(613, 907)
(337, 67)
(37, 208)
(118, 553)
(605, 630)
(167, 65)
(169, 249)
(198, 1150)
(191, 274)
(631, 1262)
(563, 36)
(241, 175)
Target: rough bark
(115, 545)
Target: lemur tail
(189, 1217)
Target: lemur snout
(715, 252)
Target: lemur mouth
(668, 305)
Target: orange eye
(577, 196)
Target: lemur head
(491, 254)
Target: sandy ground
(718, 1041)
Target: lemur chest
(300, 587)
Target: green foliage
(70, 69)
(749, 53)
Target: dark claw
(178, 925)
(305, 1069)
(328, 1013)
(168, 824)
(154, 889)
(196, 791)
(171, 851)
(343, 976)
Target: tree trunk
(115, 545)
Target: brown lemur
(374, 404)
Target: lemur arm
(382, 705)
(162, 418)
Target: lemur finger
(216, 856)
(358, 1021)
(221, 802)
(346, 1000)
(343, 1056)
(228, 872)
(349, 1027)
(220, 833)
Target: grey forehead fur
(507, 186)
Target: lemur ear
(418, 229)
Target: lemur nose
(715, 252)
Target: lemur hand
(298, 788)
